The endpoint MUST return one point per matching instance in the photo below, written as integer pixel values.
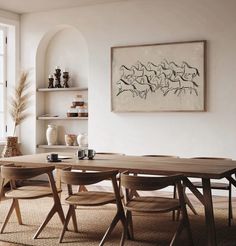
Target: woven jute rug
(93, 222)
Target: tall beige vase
(11, 148)
(51, 134)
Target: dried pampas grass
(20, 101)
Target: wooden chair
(14, 173)
(165, 156)
(152, 204)
(219, 186)
(175, 190)
(82, 188)
(92, 198)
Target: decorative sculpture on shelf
(50, 81)
(58, 77)
(65, 79)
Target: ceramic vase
(51, 134)
(82, 140)
(11, 148)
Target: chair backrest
(148, 183)
(167, 156)
(211, 158)
(108, 153)
(13, 172)
(83, 178)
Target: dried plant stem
(20, 102)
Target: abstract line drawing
(141, 79)
(158, 77)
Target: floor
(219, 202)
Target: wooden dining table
(205, 169)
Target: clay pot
(70, 139)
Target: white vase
(82, 140)
(51, 134)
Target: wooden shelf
(62, 89)
(45, 146)
(60, 118)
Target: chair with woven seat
(92, 198)
(219, 186)
(17, 173)
(154, 204)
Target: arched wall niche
(66, 47)
(62, 46)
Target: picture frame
(159, 77)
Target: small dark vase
(11, 148)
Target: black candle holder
(50, 82)
(58, 78)
(65, 79)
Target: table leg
(209, 214)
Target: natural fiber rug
(93, 222)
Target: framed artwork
(158, 77)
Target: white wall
(151, 21)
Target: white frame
(159, 77)
(4, 29)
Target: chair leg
(68, 216)
(110, 229)
(2, 181)
(187, 225)
(177, 233)
(18, 213)
(189, 203)
(230, 209)
(178, 214)
(73, 215)
(118, 178)
(12, 207)
(174, 196)
(54, 209)
(184, 213)
(82, 188)
(134, 193)
(130, 224)
(125, 233)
